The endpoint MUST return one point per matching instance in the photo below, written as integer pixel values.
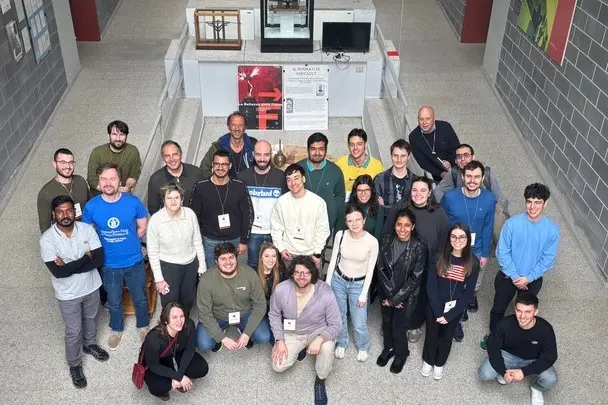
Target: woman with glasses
(450, 288)
(175, 249)
(349, 274)
(365, 196)
(402, 260)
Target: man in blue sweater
(475, 207)
(526, 250)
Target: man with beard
(118, 151)
(304, 315)
(265, 184)
(121, 221)
(324, 178)
(475, 207)
(228, 296)
(64, 183)
(175, 171)
(72, 252)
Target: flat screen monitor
(346, 36)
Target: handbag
(139, 370)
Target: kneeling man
(304, 314)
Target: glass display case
(287, 25)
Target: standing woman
(175, 249)
(365, 196)
(271, 269)
(450, 288)
(169, 351)
(349, 274)
(402, 260)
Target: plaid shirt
(384, 184)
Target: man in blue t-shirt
(120, 220)
(475, 207)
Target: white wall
(496, 32)
(67, 38)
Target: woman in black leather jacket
(401, 263)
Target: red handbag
(139, 370)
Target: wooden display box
(217, 29)
(127, 302)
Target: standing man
(395, 183)
(175, 171)
(121, 221)
(265, 184)
(119, 152)
(522, 345)
(475, 207)
(464, 155)
(223, 207)
(236, 143)
(358, 162)
(526, 250)
(299, 222)
(324, 178)
(433, 143)
(64, 183)
(304, 314)
(228, 296)
(72, 252)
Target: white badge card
(289, 324)
(472, 239)
(224, 221)
(299, 233)
(257, 222)
(234, 318)
(77, 210)
(449, 305)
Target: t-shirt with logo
(116, 225)
(264, 190)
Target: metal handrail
(181, 47)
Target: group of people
(389, 236)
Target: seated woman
(450, 288)
(403, 259)
(178, 365)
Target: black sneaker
(78, 378)
(96, 351)
(398, 364)
(473, 304)
(302, 355)
(459, 333)
(465, 316)
(217, 348)
(249, 345)
(320, 392)
(384, 357)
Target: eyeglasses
(364, 190)
(459, 238)
(354, 221)
(224, 165)
(463, 155)
(304, 273)
(174, 198)
(64, 163)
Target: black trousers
(159, 385)
(394, 329)
(182, 280)
(419, 315)
(505, 290)
(438, 339)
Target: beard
(316, 159)
(66, 222)
(59, 172)
(118, 146)
(262, 165)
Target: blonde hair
(169, 187)
(276, 272)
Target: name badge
(224, 221)
(472, 239)
(234, 318)
(299, 234)
(449, 305)
(289, 324)
(77, 210)
(257, 222)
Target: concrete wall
(562, 111)
(105, 8)
(28, 94)
(454, 10)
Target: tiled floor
(122, 78)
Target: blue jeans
(253, 249)
(544, 381)
(210, 244)
(347, 294)
(261, 335)
(135, 278)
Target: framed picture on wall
(14, 40)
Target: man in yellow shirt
(358, 162)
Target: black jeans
(419, 315)
(438, 339)
(505, 290)
(182, 280)
(394, 328)
(159, 385)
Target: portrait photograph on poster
(548, 24)
(14, 40)
(261, 96)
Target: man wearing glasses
(65, 182)
(223, 208)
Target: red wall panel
(84, 17)
(476, 21)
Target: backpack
(486, 179)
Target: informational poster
(36, 19)
(19, 10)
(5, 5)
(306, 97)
(260, 92)
(548, 24)
(27, 42)
(14, 41)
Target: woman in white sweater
(350, 274)
(175, 249)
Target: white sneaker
(426, 369)
(537, 396)
(437, 373)
(339, 352)
(501, 380)
(362, 355)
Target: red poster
(261, 96)
(561, 30)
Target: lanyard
(222, 203)
(320, 178)
(427, 142)
(255, 178)
(467, 210)
(230, 293)
(69, 190)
